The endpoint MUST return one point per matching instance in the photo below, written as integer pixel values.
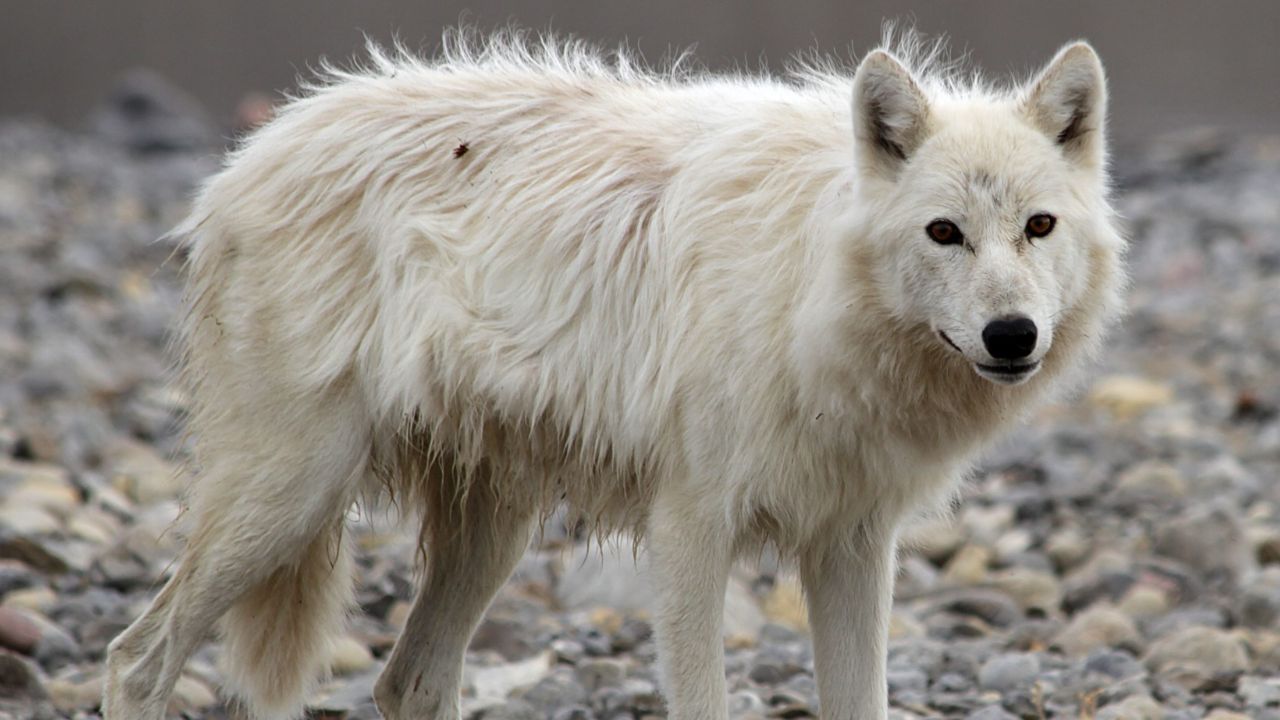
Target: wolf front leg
(691, 555)
(849, 583)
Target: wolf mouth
(1009, 374)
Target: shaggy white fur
(705, 309)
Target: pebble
(1137, 707)
(1009, 672)
(350, 657)
(19, 680)
(1033, 590)
(1259, 603)
(1211, 542)
(1098, 627)
(1196, 654)
(18, 631)
(1126, 396)
(968, 566)
(785, 605)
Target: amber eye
(1040, 225)
(944, 232)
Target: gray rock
(1196, 654)
(560, 687)
(1009, 672)
(1114, 664)
(1259, 692)
(1259, 603)
(776, 664)
(21, 689)
(595, 674)
(1211, 542)
(906, 680)
(746, 704)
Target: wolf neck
(858, 361)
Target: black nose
(1010, 338)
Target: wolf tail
(278, 636)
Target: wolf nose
(1010, 338)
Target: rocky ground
(1119, 559)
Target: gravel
(1118, 558)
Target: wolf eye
(944, 232)
(1040, 225)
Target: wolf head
(985, 207)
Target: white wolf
(714, 311)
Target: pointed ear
(890, 113)
(1068, 102)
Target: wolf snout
(1012, 337)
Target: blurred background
(1119, 557)
(1172, 64)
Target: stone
(506, 636)
(1097, 628)
(349, 657)
(16, 575)
(56, 496)
(72, 695)
(33, 599)
(774, 665)
(1031, 589)
(992, 607)
(1127, 396)
(19, 680)
(1144, 601)
(568, 651)
(785, 605)
(1009, 672)
(558, 688)
(935, 538)
(1221, 714)
(28, 521)
(190, 696)
(1068, 548)
(498, 681)
(140, 472)
(1194, 654)
(1260, 692)
(1210, 542)
(597, 673)
(18, 631)
(746, 705)
(968, 566)
(1114, 664)
(93, 525)
(1134, 707)
(903, 625)
(1259, 601)
(1148, 482)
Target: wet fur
(661, 298)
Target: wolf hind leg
(473, 544)
(267, 512)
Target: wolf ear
(1068, 102)
(890, 113)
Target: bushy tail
(278, 638)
